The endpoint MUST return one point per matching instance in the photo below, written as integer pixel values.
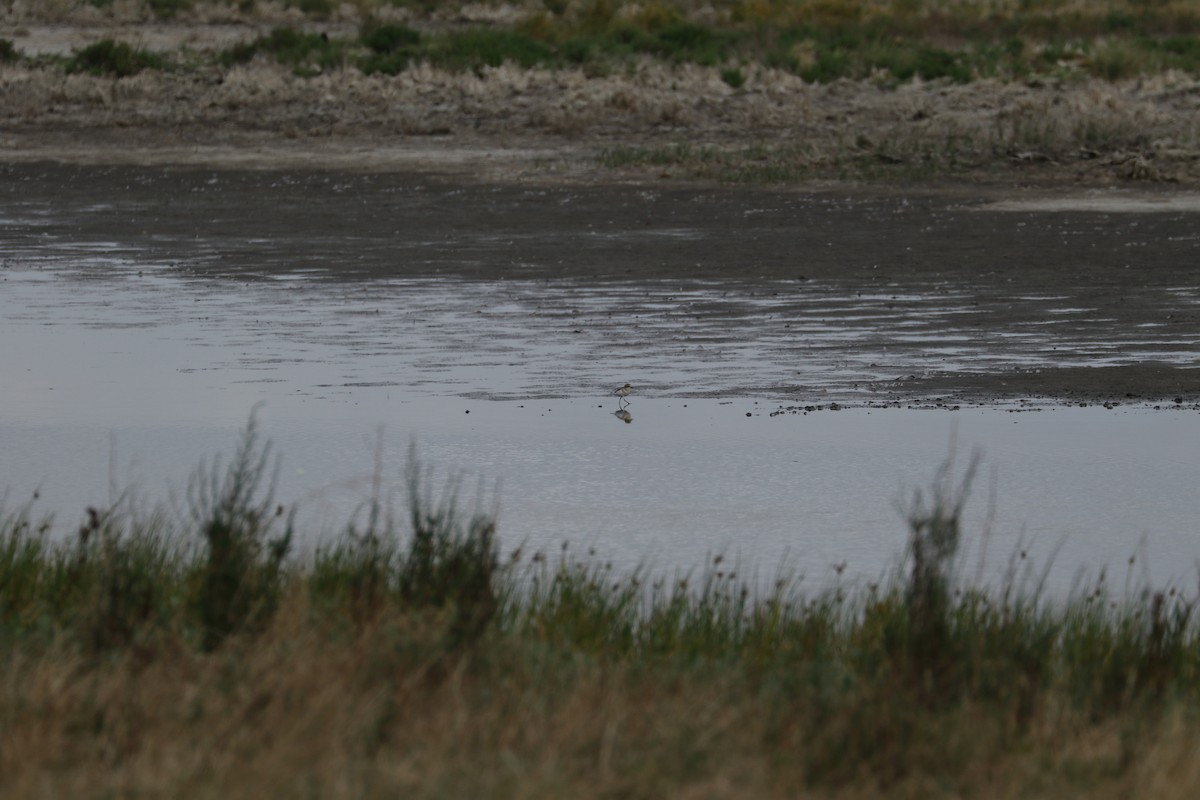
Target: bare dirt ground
(1070, 157)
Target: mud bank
(845, 295)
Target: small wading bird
(624, 392)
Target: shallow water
(138, 337)
(513, 339)
(687, 478)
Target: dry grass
(309, 711)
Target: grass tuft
(450, 563)
(238, 583)
(168, 9)
(108, 57)
(473, 49)
(307, 54)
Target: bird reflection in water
(623, 415)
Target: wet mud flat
(840, 294)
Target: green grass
(478, 48)
(238, 581)
(385, 39)
(307, 54)
(316, 8)
(118, 59)
(168, 8)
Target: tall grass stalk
(235, 513)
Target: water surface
(141, 326)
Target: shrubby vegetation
(117, 59)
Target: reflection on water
(692, 479)
(512, 339)
(362, 280)
(125, 360)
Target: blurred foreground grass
(195, 654)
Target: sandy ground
(1101, 150)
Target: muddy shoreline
(920, 297)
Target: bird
(624, 392)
